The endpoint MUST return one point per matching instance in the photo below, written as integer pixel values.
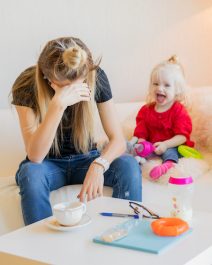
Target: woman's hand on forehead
(61, 84)
(57, 86)
(71, 94)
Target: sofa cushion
(201, 113)
(11, 143)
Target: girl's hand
(160, 148)
(93, 183)
(140, 140)
(71, 94)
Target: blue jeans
(37, 180)
(171, 154)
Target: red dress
(158, 127)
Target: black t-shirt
(26, 96)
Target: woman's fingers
(93, 183)
(91, 192)
(95, 193)
(82, 194)
(87, 190)
(84, 94)
(100, 191)
(78, 87)
(84, 99)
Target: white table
(38, 243)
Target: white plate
(52, 223)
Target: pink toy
(159, 170)
(144, 148)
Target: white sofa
(12, 152)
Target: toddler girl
(164, 121)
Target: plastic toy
(169, 226)
(144, 148)
(187, 151)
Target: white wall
(131, 36)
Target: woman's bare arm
(38, 140)
(112, 128)
(94, 180)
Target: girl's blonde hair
(173, 65)
(62, 59)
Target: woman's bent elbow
(34, 159)
(34, 156)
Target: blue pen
(135, 216)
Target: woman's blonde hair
(173, 65)
(62, 59)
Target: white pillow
(201, 114)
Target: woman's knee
(128, 167)
(128, 177)
(30, 174)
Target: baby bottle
(144, 148)
(181, 193)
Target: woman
(55, 102)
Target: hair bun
(74, 57)
(173, 59)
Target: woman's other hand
(93, 183)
